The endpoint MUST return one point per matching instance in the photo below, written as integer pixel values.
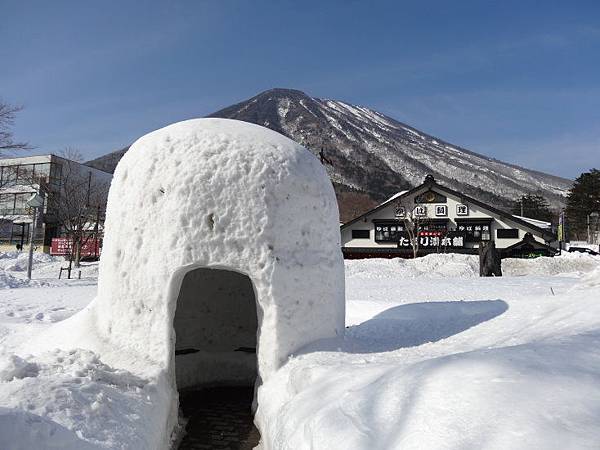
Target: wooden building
(447, 221)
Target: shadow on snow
(412, 325)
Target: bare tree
(413, 219)
(7, 120)
(71, 153)
(79, 207)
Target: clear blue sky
(516, 80)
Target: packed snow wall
(231, 197)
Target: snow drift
(446, 265)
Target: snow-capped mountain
(378, 156)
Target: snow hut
(221, 255)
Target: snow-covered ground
(434, 357)
(438, 358)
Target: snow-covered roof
(396, 195)
(536, 222)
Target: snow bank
(46, 268)
(451, 265)
(21, 430)
(543, 395)
(434, 265)
(567, 263)
(71, 400)
(591, 280)
(8, 281)
(17, 261)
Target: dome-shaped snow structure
(221, 240)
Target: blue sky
(518, 81)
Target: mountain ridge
(375, 156)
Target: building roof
(536, 222)
(432, 184)
(40, 159)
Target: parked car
(583, 250)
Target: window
(388, 232)
(360, 234)
(15, 203)
(507, 233)
(9, 176)
(21, 206)
(7, 203)
(475, 230)
(19, 234)
(55, 172)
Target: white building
(449, 222)
(20, 178)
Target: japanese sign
(462, 210)
(63, 247)
(435, 239)
(441, 210)
(475, 231)
(420, 211)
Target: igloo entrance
(216, 325)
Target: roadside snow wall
(236, 198)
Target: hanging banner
(561, 226)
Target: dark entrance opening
(215, 358)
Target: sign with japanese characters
(63, 246)
(420, 211)
(400, 211)
(462, 210)
(475, 231)
(434, 240)
(441, 210)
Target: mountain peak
(373, 156)
(282, 92)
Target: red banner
(63, 246)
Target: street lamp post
(595, 215)
(36, 201)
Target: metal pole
(31, 236)
(588, 228)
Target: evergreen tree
(534, 207)
(583, 198)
